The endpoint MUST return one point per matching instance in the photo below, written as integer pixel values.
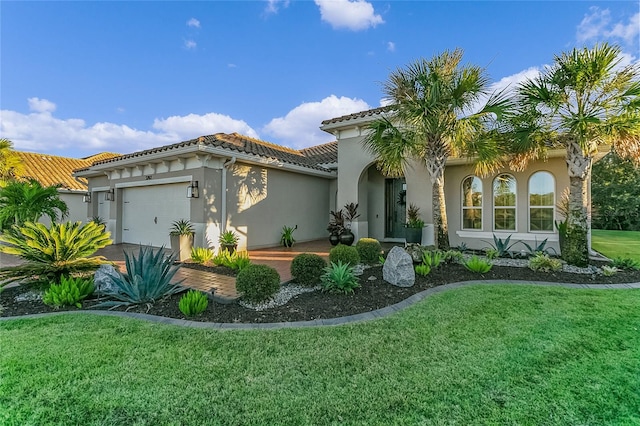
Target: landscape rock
(398, 268)
(103, 278)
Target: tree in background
(615, 194)
(436, 110)
(10, 162)
(584, 100)
(27, 201)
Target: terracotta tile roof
(309, 157)
(361, 114)
(52, 170)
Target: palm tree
(10, 162)
(431, 117)
(27, 201)
(584, 100)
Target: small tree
(27, 201)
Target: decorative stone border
(365, 316)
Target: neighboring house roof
(312, 158)
(52, 170)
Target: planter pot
(413, 235)
(334, 239)
(231, 248)
(347, 237)
(181, 245)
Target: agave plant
(148, 278)
(62, 249)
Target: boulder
(398, 268)
(103, 278)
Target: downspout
(223, 198)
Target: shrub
(339, 278)
(369, 250)
(432, 258)
(61, 250)
(70, 292)
(236, 260)
(201, 254)
(148, 278)
(477, 265)
(423, 269)
(306, 268)
(193, 303)
(609, 271)
(543, 263)
(258, 283)
(344, 254)
(625, 263)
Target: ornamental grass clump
(306, 269)
(236, 260)
(344, 254)
(70, 292)
(423, 269)
(477, 265)
(201, 255)
(148, 278)
(432, 258)
(543, 263)
(369, 250)
(193, 303)
(339, 278)
(258, 283)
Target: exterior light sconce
(192, 190)
(86, 198)
(110, 195)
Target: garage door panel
(149, 211)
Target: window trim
(463, 207)
(493, 201)
(553, 206)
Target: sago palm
(52, 252)
(584, 100)
(27, 201)
(438, 108)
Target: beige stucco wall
(261, 200)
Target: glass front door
(395, 207)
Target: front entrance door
(395, 207)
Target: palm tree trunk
(435, 162)
(578, 222)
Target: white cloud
(193, 22)
(598, 25)
(41, 105)
(300, 127)
(190, 44)
(354, 15)
(391, 46)
(232, 66)
(189, 126)
(273, 6)
(42, 132)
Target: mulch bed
(373, 294)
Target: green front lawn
(616, 243)
(477, 355)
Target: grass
(476, 355)
(616, 243)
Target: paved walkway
(366, 316)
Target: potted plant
(228, 241)
(336, 226)
(350, 214)
(414, 225)
(287, 239)
(181, 235)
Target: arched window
(504, 203)
(542, 200)
(472, 203)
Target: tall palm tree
(10, 162)
(27, 201)
(584, 100)
(436, 110)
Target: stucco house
(229, 181)
(52, 170)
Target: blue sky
(80, 77)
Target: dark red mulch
(316, 305)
